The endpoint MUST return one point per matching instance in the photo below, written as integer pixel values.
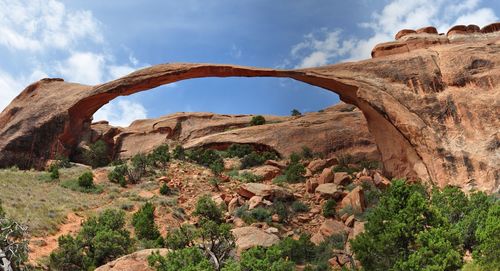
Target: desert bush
(165, 190)
(86, 180)
(329, 208)
(296, 113)
(117, 175)
(299, 207)
(207, 209)
(206, 247)
(239, 150)
(179, 153)
(208, 158)
(257, 120)
(54, 172)
(251, 160)
(160, 155)
(294, 173)
(411, 229)
(144, 223)
(101, 239)
(97, 154)
(307, 152)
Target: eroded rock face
(432, 106)
(340, 128)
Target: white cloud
(60, 42)
(10, 88)
(121, 112)
(83, 67)
(37, 25)
(328, 46)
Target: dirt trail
(42, 246)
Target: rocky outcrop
(137, 261)
(338, 129)
(432, 106)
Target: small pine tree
(144, 223)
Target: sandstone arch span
(433, 111)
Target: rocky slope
(340, 129)
(431, 102)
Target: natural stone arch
(416, 105)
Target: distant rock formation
(431, 102)
(340, 129)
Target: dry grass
(33, 199)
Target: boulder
(266, 172)
(137, 261)
(254, 202)
(356, 199)
(428, 30)
(341, 178)
(333, 227)
(311, 185)
(266, 191)
(248, 237)
(319, 164)
(403, 33)
(329, 190)
(326, 176)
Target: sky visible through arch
(91, 42)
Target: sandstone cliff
(340, 129)
(432, 103)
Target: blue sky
(95, 41)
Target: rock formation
(338, 129)
(431, 102)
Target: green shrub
(97, 154)
(239, 150)
(101, 239)
(206, 208)
(307, 152)
(294, 173)
(186, 259)
(160, 155)
(54, 172)
(139, 168)
(62, 161)
(299, 207)
(296, 113)
(251, 160)
(73, 184)
(257, 120)
(329, 208)
(117, 175)
(86, 180)
(259, 258)
(165, 190)
(179, 153)
(144, 223)
(249, 177)
(208, 158)
(212, 252)
(181, 237)
(261, 214)
(487, 252)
